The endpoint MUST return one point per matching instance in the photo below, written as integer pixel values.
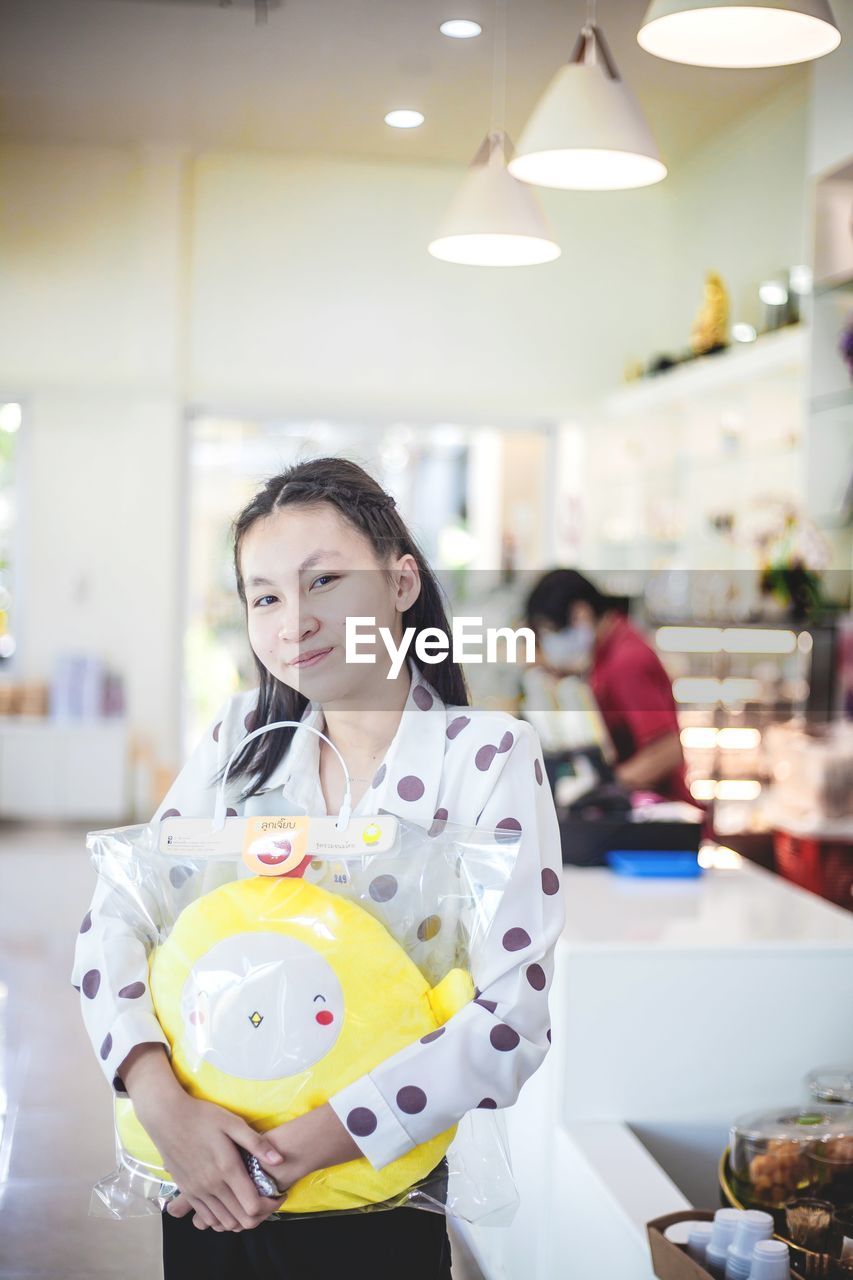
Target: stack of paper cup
(698, 1241)
(724, 1227)
(771, 1260)
(752, 1227)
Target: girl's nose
(297, 627)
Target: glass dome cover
(831, 1084)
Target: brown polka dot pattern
(484, 757)
(106, 1046)
(250, 720)
(504, 1038)
(379, 776)
(515, 940)
(432, 1035)
(410, 788)
(439, 822)
(422, 697)
(457, 725)
(508, 831)
(488, 1104)
(548, 1034)
(230, 813)
(179, 875)
(216, 729)
(429, 928)
(537, 769)
(536, 977)
(86, 923)
(91, 982)
(171, 813)
(383, 888)
(486, 754)
(361, 1122)
(133, 991)
(118, 1083)
(489, 1005)
(411, 1100)
(550, 881)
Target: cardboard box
(669, 1262)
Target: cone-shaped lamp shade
(493, 220)
(588, 131)
(737, 33)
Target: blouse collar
(407, 781)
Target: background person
(580, 631)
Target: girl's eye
(316, 998)
(323, 580)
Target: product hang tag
(308, 837)
(283, 846)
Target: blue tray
(653, 862)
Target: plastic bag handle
(219, 812)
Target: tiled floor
(56, 1136)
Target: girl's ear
(407, 582)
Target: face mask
(569, 649)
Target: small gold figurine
(711, 326)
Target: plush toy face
(261, 1006)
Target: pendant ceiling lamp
(737, 33)
(494, 220)
(588, 131)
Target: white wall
(831, 115)
(137, 281)
(90, 340)
(312, 288)
(739, 207)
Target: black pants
(382, 1244)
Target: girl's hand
(198, 1142)
(313, 1141)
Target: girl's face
(306, 570)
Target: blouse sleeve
(484, 1053)
(111, 952)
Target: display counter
(676, 1006)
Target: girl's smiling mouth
(311, 658)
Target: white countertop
(676, 1006)
(748, 908)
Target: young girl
(317, 544)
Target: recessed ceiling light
(404, 119)
(460, 28)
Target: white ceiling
(318, 75)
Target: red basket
(824, 867)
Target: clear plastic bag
(287, 957)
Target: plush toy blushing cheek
(324, 1017)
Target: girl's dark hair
(558, 590)
(366, 506)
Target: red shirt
(634, 694)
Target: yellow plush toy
(275, 994)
